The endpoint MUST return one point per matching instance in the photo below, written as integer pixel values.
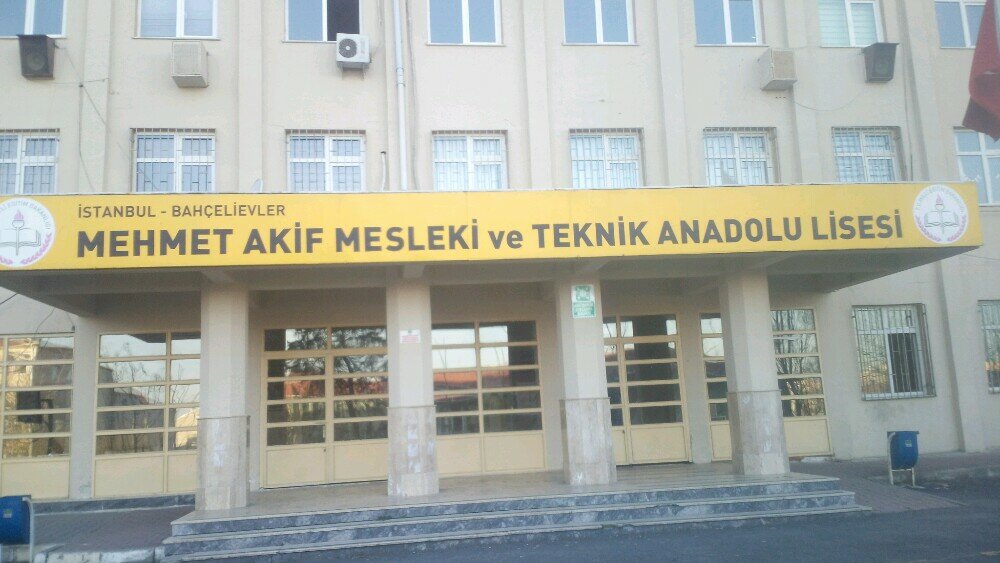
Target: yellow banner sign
(72, 232)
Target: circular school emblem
(27, 231)
(941, 214)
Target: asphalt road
(968, 533)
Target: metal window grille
(739, 156)
(958, 21)
(989, 312)
(979, 162)
(893, 354)
(174, 161)
(606, 159)
(177, 18)
(469, 161)
(846, 23)
(326, 161)
(28, 161)
(866, 154)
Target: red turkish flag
(983, 114)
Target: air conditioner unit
(352, 51)
(776, 69)
(189, 64)
(37, 55)
(880, 62)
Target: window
(32, 17)
(470, 162)
(989, 312)
(605, 159)
(713, 352)
(866, 155)
(148, 393)
(321, 20)
(796, 357)
(326, 385)
(738, 156)
(174, 161)
(326, 162)
(593, 22)
(640, 363)
(464, 22)
(486, 377)
(979, 162)
(892, 348)
(37, 384)
(177, 18)
(727, 22)
(28, 162)
(958, 21)
(849, 23)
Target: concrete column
(250, 94)
(81, 464)
(754, 401)
(94, 96)
(536, 94)
(412, 428)
(588, 456)
(671, 67)
(223, 426)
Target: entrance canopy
(67, 249)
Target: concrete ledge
(94, 505)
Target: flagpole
(996, 20)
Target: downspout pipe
(404, 175)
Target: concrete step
(367, 531)
(185, 527)
(369, 547)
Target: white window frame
(922, 352)
(599, 25)
(606, 137)
(866, 156)
(984, 154)
(326, 22)
(728, 24)
(470, 159)
(29, 21)
(178, 159)
(179, 24)
(849, 11)
(328, 160)
(22, 161)
(989, 323)
(970, 42)
(739, 133)
(466, 32)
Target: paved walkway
(134, 534)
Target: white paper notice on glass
(410, 336)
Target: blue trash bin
(15, 520)
(903, 453)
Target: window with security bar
(892, 350)
(326, 162)
(605, 159)
(28, 162)
(174, 161)
(866, 154)
(469, 162)
(989, 312)
(979, 162)
(739, 157)
(37, 383)
(849, 23)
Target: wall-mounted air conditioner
(353, 51)
(189, 64)
(776, 69)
